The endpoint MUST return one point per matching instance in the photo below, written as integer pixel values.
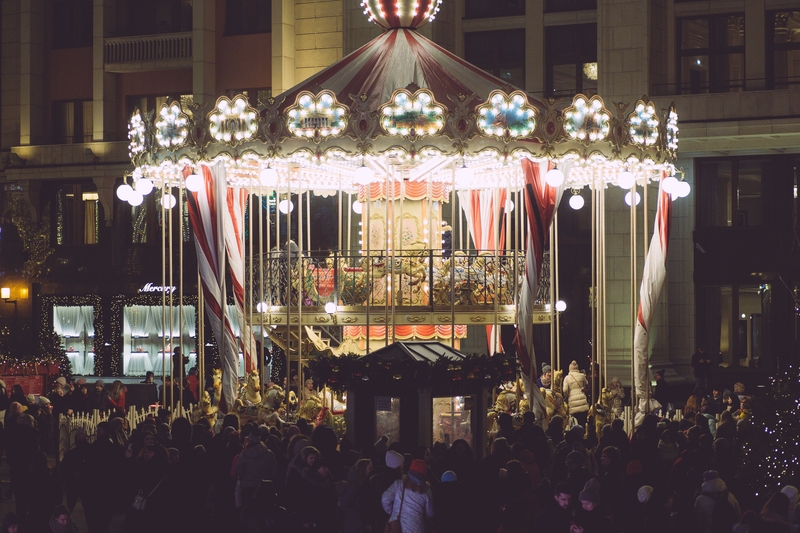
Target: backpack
(723, 516)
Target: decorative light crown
(391, 14)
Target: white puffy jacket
(416, 507)
(573, 387)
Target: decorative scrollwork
(643, 124)
(316, 116)
(477, 318)
(137, 134)
(506, 116)
(233, 121)
(171, 126)
(587, 120)
(671, 131)
(412, 115)
(415, 319)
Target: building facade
(73, 71)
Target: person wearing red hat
(409, 501)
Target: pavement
(78, 516)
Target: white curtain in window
(87, 314)
(189, 329)
(138, 321)
(68, 320)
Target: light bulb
(636, 198)
(358, 207)
(626, 180)
(330, 308)
(363, 175)
(135, 198)
(144, 186)
(268, 177)
(193, 182)
(464, 173)
(509, 206)
(561, 306)
(124, 192)
(168, 201)
(576, 202)
(683, 189)
(554, 177)
(262, 307)
(668, 184)
(286, 206)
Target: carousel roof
(399, 58)
(428, 351)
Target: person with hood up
(792, 494)
(256, 463)
(574, 390)
(409, 500)
(713, 490)
(774, 516)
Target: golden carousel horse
(250, 407)
(204, 409)
(602, 411)
(554, 399)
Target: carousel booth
(405, 402)
(440, 183)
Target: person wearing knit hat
(61, 380)
(394, 459)
(792, 493)
(410, 500)
(547, 376)
(590, 517)
(575, 383)
(712, 490)
(590, 495)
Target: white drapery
(144, 329)
(75, 325)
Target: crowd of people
(169, 474)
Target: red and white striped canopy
(394, 60)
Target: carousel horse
(216, 384)
(602, 411)
(250, 394)
(204, 409)
(554, 399)
(310, 408)
(506, 402)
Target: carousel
(445, 182)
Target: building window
(783, 49)
(72, 122)
(711, 54)
(501, 53)
(243, 17)
(559, 6)
(571, 59)
(72, 23)
(729, 192)
(479, 9)
(733, 323)
(77, 215)
(150, 17)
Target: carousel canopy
(429, 352)
(402, 107)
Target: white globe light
(464, 173)
(668, 184)
(626, 180)
(268, 177)
(363, 175)
(561, 306)
(509, 206)
(124, 192)
(554, 177)
(683, 189)
(330, 308)
(194, 182)
(576, 202)
(358, 207)
(144, 186)
(286, 206)
(168, 201)
(135, 198)
(262, 307)
(636, 198)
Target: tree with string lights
(771, 445)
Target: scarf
(546, 380)
(55, 527)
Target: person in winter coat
(713, 487)
(318, 487)
(410, 500)
(618, 396)
(574, 389)
(98, 398)
(774, 516)
(355, 499)
(116, 398)
(590, 518)
(256, 463)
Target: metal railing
(409, 278)
(161, 47)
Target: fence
(161, 47)
(68, 425)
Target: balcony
(164, 51)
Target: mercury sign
(158, 288)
